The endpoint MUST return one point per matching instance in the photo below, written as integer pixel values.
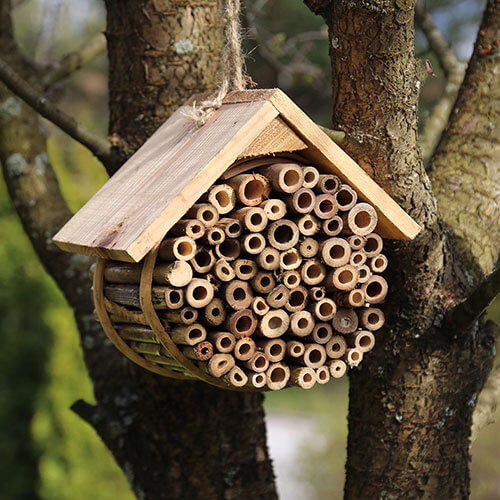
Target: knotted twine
(232, 66)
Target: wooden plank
(394, 222)
(157, 185)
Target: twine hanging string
(233, 77)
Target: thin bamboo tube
(203, 261)
(238, 294)
(188, 334)
(136, 333)
(328, 184)
(284, 177)
(356, 242)
(373, 245)
(333, 226)
(322, 333)
(336, 347)
(242, 323)
(337, 368)
(322, 375)
(192, 228)
(148, 348)
(361, 220)
(254, 243)
(229, 250)
(301, 323)
(378, 264)
(245, 269)
(177, 248)
(308, 248)
(257, 363)
(263, 282)
(178, 273)
(220, 364)
(274, 209)
(346, 197)
(199, 293)
(313, 272)
(257, 380)
(353, 356)
(314, 356)
(244, 349)
(364, 273)
(290, 259)
(301, 202)
(324, 309)
(291, 279)
(277, 376)
(335, 252)
(251, 189)
(269, 259)
(214, 313)
(302, 376)
(213, 236)
(204, 212)
(343, 278)
(294, 348)
(224, 342)
(200, 352)
(224, 271)
(326, 206)
(354, 298)
(274, 349)
(308, 225)
(283, 234)
(253, 218)
(221, 196)
(236, 377)
(274, 324)
(162, 360)
(311, 177)
(371, 318)
(260, 306)
(317, 292)
(375, 289)
(298, 299)
(345, 321)
(128, 295)
(232, 227)
(278, 296)
(363, 340)
(357, 258)
(186, 315)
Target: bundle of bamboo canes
(272, 279)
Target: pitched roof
(134, 210)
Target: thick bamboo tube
(298, 299)
(178, 248)
(224, 342)
(224, 271)
(257, 363)
(337, 368)
(291, 279)
(343, 278)
(203, 261)
(375, 289)
(322, 375)
(278, 296)
(302, 376)
(200, 352)
(322, 333)
(308, 248)
(363, 340)
(269, 259)
(324, 309)
(346, 197)
(314, 356)
(308, 225)
(257, 380)
(274, 324)
(277, 376)
(336, 347)
(274, 349)
(283, 234)
(185, 316)
(326, 206)
(192, 228)
(345, 321)
(353, 356)
(301, 323)
(333, 226)
(242, 323)
(199, 293)
(238, 294)
(274, 209)
(214, 313)
(379, 263)
(357, 258)
(335, 252)
(188, 334)
(301, 202)
(356, 242)
(253, 218)
(311, 177)
(236, 377)
(136, 333)
(232, 227)
(229, 250)
(245, 269)
(244, 349)
(220, 364)
(128, 295)
(213, 236)
(251, 189)
(290, 259)
(364, 273)
(328, 184)
(284, 177)
(354, 298)
(260, 306)
(221, 196)
(373, 245)
(361, 220)
(371, 318)
(313, 272)
(294, 348)
(263, 282)
(254, 243)
(204, 212)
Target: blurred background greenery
(45, 450)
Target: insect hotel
(247, 252)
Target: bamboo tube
(337, 368)
(313, 272)
(375, 289)
(356, 242)
(123, 314)
(354, 298)
(128, 295)
(326, 206)
(174, 298)
(277, 376)
(251, 189)
(228, 250)
(335, 252)
(364, 274)
(238, 294)
(295, 349)
(291, 279)
(363, 340)
(236, 377)
(232, 227)
(203, 261)
(308, 225)
(117, 318)
(245, 269)
(336, 347)
(373, 245)
(353, 356)
(242, 323)
(284, 177)
(345, 321)
(346, 197)
(136, 333)
(274, 209)
(301, 202)
(278, 296)
(222, 197)
(333, 226)
(214, 313)
(311, 177)
(274, 349)
(269, 259)
(244, 349)
(162, 360)
(324, 309)
(178, 248)
(301, 323)
(257, 363)
(343, 278)
(283, 234)
(290, 259)
(361, 220)
(253, 218)
(192, 228)
(308, 248)
(357, 258)
(322, 375)
(224, 271)
(200, 352)
(214, 281)
(328, 184)
(257, 380)
(186, 316)
(254, 243)
(188, 334)
(317, 292)
(224, 342)
(220, 364)
(148, 348)
(371, 318)
(322, 333)
(213, 236)
(298, 299)
(204, 212)
(199, 293)
(260, 306)
(302, 376)
(378, 264)
(314, 356)
(274, 324)
(263, 282)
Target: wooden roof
(134, 210)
